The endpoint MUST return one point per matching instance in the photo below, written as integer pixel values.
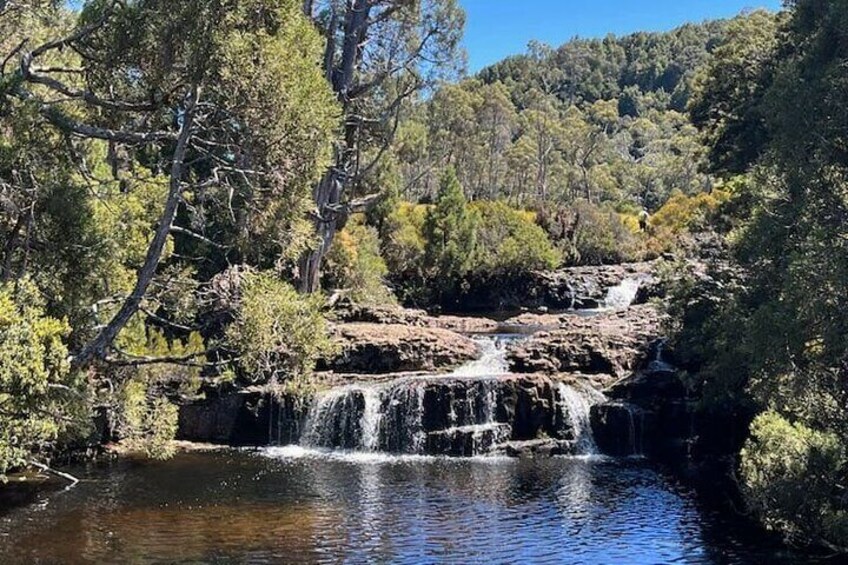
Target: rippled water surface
(289, 505)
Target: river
(292, 505)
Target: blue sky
(498, 28)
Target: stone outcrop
(388, 348)
(581, 287)
(520, 415)
(612, 343)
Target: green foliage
(147, 421)
(354, 264)
(509, 241)
(788, 470)
(278, 334)
(450, 234)
(588, 234)
(730, 88)
(770, 329)
(38, 393)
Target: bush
(278, 335)
(147, 421)
(683, 213)
(589, 234)
(791, 476)
(354, 264)
(39, 395)
(510, 242)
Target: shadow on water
(295, 505)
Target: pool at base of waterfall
(295, 505)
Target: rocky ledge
(391, 348)
(582, 287)
(610, 343)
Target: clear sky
(498, 28)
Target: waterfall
(635, 430)
(575, 405)
(622, 295)
(492, 360)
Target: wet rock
(619, 428)
(387, 348)
(544, 447)
(612, 343)
(467, 441)
(248, 417)
(582, 287)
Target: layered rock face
(611, 343)
(389, 348)
(582, 287)
(447, 416)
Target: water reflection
(294, 506)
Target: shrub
(790, 478)
(683, 213)
(147, 421)
(278, 334)
(355, 265)
(39, 395)
(510, 242)
(402, 240)
(591, 235)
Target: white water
(389, 418)
(622, 295)
(372, 416)
(577, 403)
(492, 360)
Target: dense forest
(189, 188)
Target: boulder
(388, 348)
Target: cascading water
(492, 360)
(473, 411)
(576, 405)
(622, 295)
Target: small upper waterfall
(623, 294)
(492, 360)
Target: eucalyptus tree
(378, 55)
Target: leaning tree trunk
(106, 336)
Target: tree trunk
(328, 201)
(103, 340)
(329, 191)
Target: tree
(729, 89)
(450, 236)
(228, 101)
(379, 53)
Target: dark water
(287, 506)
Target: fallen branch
(47, 469)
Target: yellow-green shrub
(354, 264)
(510, 241)
(38, 392)
(278, 334)
(790, 478)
